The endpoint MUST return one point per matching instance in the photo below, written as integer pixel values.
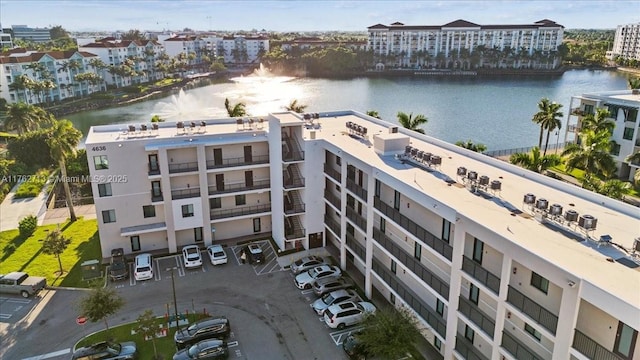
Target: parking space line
(181, 271)
(19, 301)
(132, 278)
(232, 344)
(49, 355)
(5, 316)
(305, 292)
(337, 336)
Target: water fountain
(262, 75)
(184, 107)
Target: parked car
(21, 283)
(353, 347)
(306, 263)
(204, 350)
(191, 256)
(254, 253)
(323, 286)
(209, 328)
(143, 267)
(217, 255)
(334, 297)
(347, 313)
(107, 350)
(118, 269)
(306, 279)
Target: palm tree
(412, 123)
(471, 146)
(635, 158)
(23, 118)
(21, 84)
(374, 113)
(534, 161)
(235, 110)
(548, 117)
(598, 122)
(634, 83)
(295, 107)
(592, 154)
(63, 140)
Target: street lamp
(175, 302)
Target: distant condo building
(23, 32)
(495, 261)
(626, 43)
(464, 45)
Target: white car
(217, 255)
(334, 297)
(305, 280)
(191, 256)
(347, 313)
(143, 267)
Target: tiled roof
(465, 23)
(460, 23)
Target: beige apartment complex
(496, 262)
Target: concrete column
(204, 194)
(458, 237)
(165, 183)
(567, 319)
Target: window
(469, 333)
(187, 210)
(351, 202)
(101, 162)
(474, 294)
(439, 307)
(256, 225)
(149, 211)
(104, 189)
(615, 149)
(108, 216)
(396, 200)
(350, 229)
(394, 266)
(533, 332)
(446, 230)
(539, 282)
(588, 109)
(215, 203)
(338, 188)
(383, 225)
(135, 243)
(437, 343)
(627, 134)
(197, 234)
(417, 250)
(241, 200)
(377, 188)
(625, 341)
(478, 247)
(338, 161)
(392, 298)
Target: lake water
(494, 111)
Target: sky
(300, 15)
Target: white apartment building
(624, 107)
(427, 45)
(24, 32)
(243, 49)
(5, 39)
(496, 262)
(307, 43)
(626, 42)
(187, 45)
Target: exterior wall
(626, 42)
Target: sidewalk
(13, 210)
(60, 215)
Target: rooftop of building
(620, 95)
(602, 259)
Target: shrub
(33, 186)
(28, 225)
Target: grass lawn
(20, 254)
(576, 173)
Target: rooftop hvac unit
(407, 149)
(426, 157)
(414, 151)
(436, 160)
(472, 175)
(393, 130)
(555, 209)
(496, 185)
(571, 215)
(462, 171)
(529, 198)
(484, 180)
(542, 204)
(587, 222)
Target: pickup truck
(21, 283)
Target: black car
(206, 349)
(108, 351)
(118, 269)
(254, 253)
(353, 347)
(209, 328)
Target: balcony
(155, 197)
(481, 274)
(357, 189)
(414, 265)
(357, 219)
(295, 234)
(334, 174)
(185, 193)
(238, 161)
(465, 348)
(334, 200)
(293, 203)
(437, 244)
(591, 349)
(412, 299)
(356, 247)
(239, 211)
(293, 156)
(332, 224)
(183, 167)
(541, 315)
(517, 349)
(153, 169)
(477, 316)
(230, 188)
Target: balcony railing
(185, 193)
(532, 309)
(156, 197)
(591, 349)
(332, 224)
(238, 161)
(241, 211)
(229, 188)
(437, 244)
(355, 246)
(293, 208)
(293, 182)
(295, 234)
(357, 219)
(334, 200)
(465, 348)
(473, 313)
(481, 274)
(417, 304)
(293, 156)
(154, 170)
(183, 167)
(517, 349)
(333, 173)
(414, 265)
(357, 189)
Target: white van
(143, 267)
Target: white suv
(347, 313)
(191, 256)
(143, 267)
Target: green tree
(535, 161)
(100, 303)
(600, 121)
(133, 34)
(236, 110)
(58, 32)
(23, 118)
(477, 147)
(55, 244)
(156, 119)
(63, 140)
(374, 113)
(31, 149)
(634, 158)
(548, 117)
(412, 123)
(592, 154)
(634, 83)
(148, 328)
(389, 333)
(295, 106)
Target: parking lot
(14, 306)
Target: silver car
(334, 297)
(323, 286)
(306, 263)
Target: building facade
(240, 49)
(463, 44)
(5, 39)
(23, 32)
(489, 266)
(626, 43)
(623, 107)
